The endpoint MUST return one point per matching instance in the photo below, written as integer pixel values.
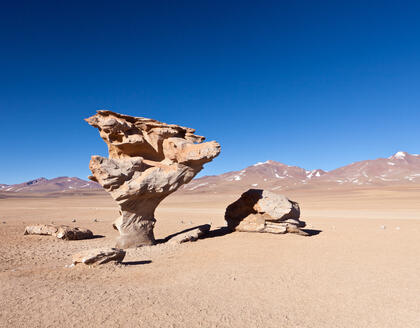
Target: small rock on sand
(99, 256)
(191, 235)
(59, 231)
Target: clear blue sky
(318, 84)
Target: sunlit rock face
(148, 160)
(260, 210)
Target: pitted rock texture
(59, 231)
(263, 211)
(148, 160)
(99, 256)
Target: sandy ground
(361, 270)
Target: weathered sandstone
(99, 256)
(59, 231)
(148, 160)
(263, 211)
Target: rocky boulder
(59, 231)
(99, 256)
(263, 211)
(148, 160)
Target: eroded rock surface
(263, 211)
(99, 256)
(148, 160)
(59, 231)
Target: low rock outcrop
(148, 160)
(191, 234)
(59, 231)
(99, 256)
(263, 211)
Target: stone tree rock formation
(260, 210)
(148, 160)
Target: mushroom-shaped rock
(99, 256)
(263, 211)
(148, 160)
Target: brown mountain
(51, 185)
(268, 175)
(401, 168)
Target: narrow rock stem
(136, 229)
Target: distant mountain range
(398, 169)
(51, 185)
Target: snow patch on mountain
(261, 163)
(313, 173)
(399, 155)
(199, 185)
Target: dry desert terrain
(360, 268)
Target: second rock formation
(263, 211)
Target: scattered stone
(41, 229)
(383, 227)
(99, 256)
(76, 233)
(148, 160)
(59, 231)
(191, 235)
(74, 220)
(260, 210)
(4, 222)
(397, 228)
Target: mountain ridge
(42, 184)
(399, 168)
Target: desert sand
(360, 268)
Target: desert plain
(359, 268)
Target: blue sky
(318, 84)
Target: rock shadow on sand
(219, 232)
(136, 262)
(311, 232)
(97, 236)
